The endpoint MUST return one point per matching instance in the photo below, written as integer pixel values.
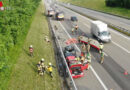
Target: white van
(100, 30)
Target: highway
(118, 21)
(117, 53)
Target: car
(75, 68)
(69, 51)
(74, 18)
(51, 13)
(59, 16)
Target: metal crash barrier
(67, 75)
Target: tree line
(14, 24)
(118, 3)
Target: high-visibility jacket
(39, 67)
(77, 58)
(102, 54)
(50, 69)
(83, 58)
(101, 46)
(88, 56)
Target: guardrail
(70, 80)
(118, 28)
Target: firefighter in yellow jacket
(50, 69)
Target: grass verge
(24, 75)
(100, 6)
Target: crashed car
(75, 68)
(59, 16)
(74, 18)
(69, 51)
(51, 13)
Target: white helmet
(31, 46)
(42, 60)
(50, 64)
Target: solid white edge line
(98, 78)
(105, 54)
(115, 43)
(120, 47)
(109, 28)
(116, 32)
(86, 25)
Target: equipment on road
(125, 73)
(93, 43)
(100, 30)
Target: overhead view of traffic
(79, 48)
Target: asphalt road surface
(118, 21)
(117, 54)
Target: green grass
(24, 74)
(100, 5)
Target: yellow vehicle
(59, 16)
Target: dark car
(69, 51)
(74, 18)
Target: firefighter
(31, 50)
(42, 65)
(82, 59)
(88, 56)
(101, 46)
(79, 37)
(88, 45)
(39, 67)
(49, 68)
(102, 57)
(77, 58)
(72, 31)
(76, 28)
(83, 48)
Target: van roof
(102, 26)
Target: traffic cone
(125, 73)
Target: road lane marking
(98, 78)
(114, 42)
(93, 20)
(116, 32)
(86, 25)
(120, 47)
(105, 54)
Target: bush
(13, 26)
(118, 3)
